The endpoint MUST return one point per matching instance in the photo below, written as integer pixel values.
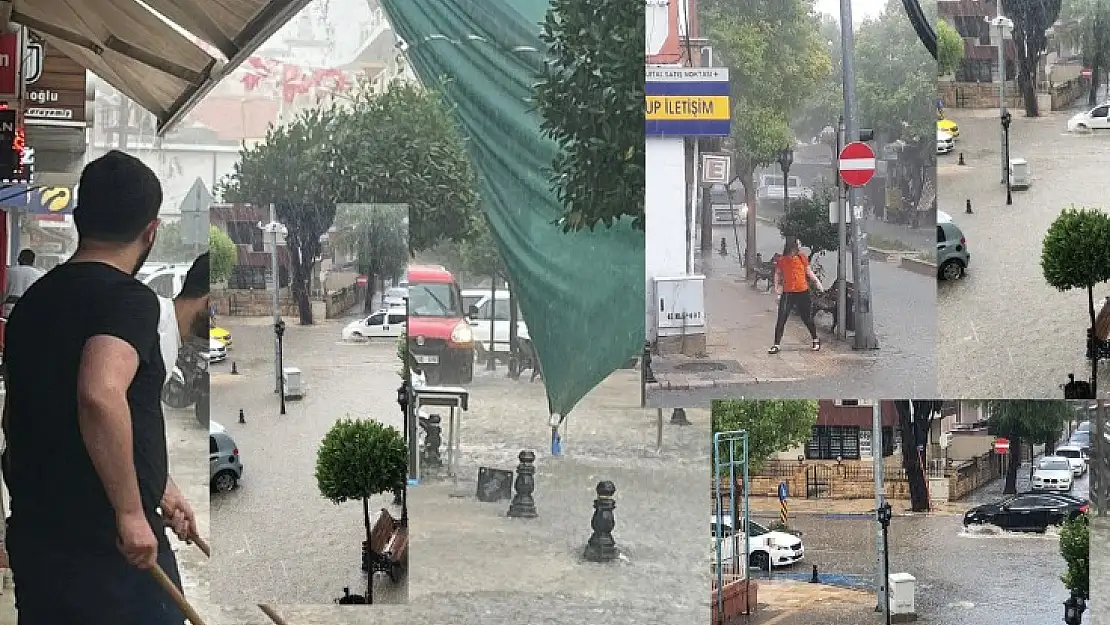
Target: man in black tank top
(85, 458)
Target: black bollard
(678, 417)
(962, 159)
(242, 417)
(433, 438)
(601, 547)
(724, 247)
(234, 368)
(523, 506)
(814, 580)
(968, 209)
(645, 362)
(399, 495)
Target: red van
(439, 335)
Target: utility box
(680, 315)
(292, 383)
(902, 604)
(1019, 173)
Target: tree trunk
(1026, 77)
(301, 257)
(1092, 338)
(1092, 93)
(750, 247)
(368, 303)
(911, 459)
(1012, 470)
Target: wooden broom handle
(269, 611)
(175, 594)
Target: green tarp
(582, 295)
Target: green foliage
(402, 352)
(222, 255)
(950, 48)
(397, 147)
(1076, 250)
(168, 246)
(808, 219)
(1075, 547)
(1031, 420)
(772, 425)
(359, 459)
(1086, 26)
(776, 58)
(1032, 20)
(591, 97)
(377, 236)
(480, 256)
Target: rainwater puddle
(993, 531)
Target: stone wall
(337, 303)
(966, 477)
(985, 95)
(252, 302)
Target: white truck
(488, 320)
(770, 189)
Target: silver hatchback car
(225, 465)
(952, 255)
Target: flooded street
(985, 319)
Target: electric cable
(921, 24)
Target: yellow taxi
(949, 126)
(221, 335)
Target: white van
(480, 302)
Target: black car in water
(1027, 511)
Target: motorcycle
(188, 383)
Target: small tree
(1025, 421)
(591, 96)
(950, 48)
(359, 459)
(223, 254)
(772, 425)
(1076, 254)
(1075, 547)
(378, 237)
(808, 219)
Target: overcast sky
(861, 9)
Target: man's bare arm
(108, 365)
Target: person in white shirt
(20, 278)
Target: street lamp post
(884, 516)
(786, 159)
(279, 332)
(273, 228)
(1002, 24)
(1006, 119)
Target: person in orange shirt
(792, 278)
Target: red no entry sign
(857, 164)
(1001, 446)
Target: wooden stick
(270, 612)
(203, 546)
(182, 603)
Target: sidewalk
(769, 506)
(740, 330)
(800, 603)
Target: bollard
(814, 580)
(433, 438)
(601, 547)
(962, 159)
(724, 247)
(523, 506)
(399, 495)
(645, 363)
(968, 210)
(242, 417)
(234, 368)
(678, 417)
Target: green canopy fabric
(581, 294)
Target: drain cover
(701, 367)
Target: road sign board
(1085, 73)
(194, 214)
(1001, 446)
(783, 491)
(687, 101)
(715, 168)
(857, 164)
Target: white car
(396, 297)
(1076, 456)
(1053, 473)
(945, 142)
(1097, 118)
(767, 548)
(384, 324)
(487, 315)
(217, 352)
(724, 214)
(165, 280)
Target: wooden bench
(764, 271)
(826, 302)
(388, 549)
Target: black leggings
(801, 303)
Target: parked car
(767, 548)
(1027, 511)
(945, 142)
(165, 280)
(389, 323)
(1097, 118)
(487, 319)
(395, 297)
(1076, 456)
(221, 335)
(225, 466)
(217, 351)
(953, 257)
(440, 338)
(770, 189)
(947, 125)
(1081, 440)
(1084, 427)
(1053, 473)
